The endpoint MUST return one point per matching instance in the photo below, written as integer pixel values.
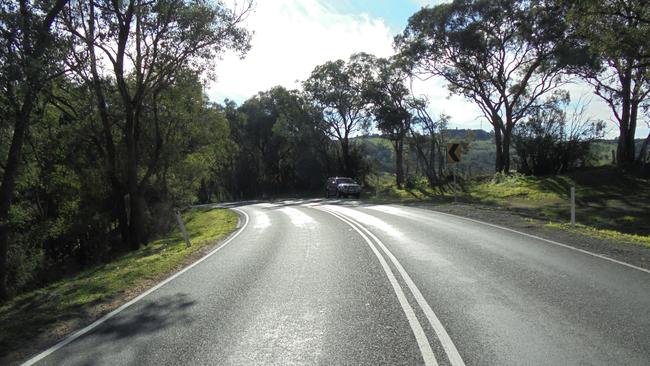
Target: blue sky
(291, 37)
(395, 13)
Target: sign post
(181, 225)
(454, 152)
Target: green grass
(602, 233)
(31, 313)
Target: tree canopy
(505, 56)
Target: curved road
(343, 283)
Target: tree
(336, 89)
(26, 50)
(389, 100)
(281, 144)
(503, 55)
(554, 138)
(145, 44)
(616, 35)
(427, 137)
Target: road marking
(416, 327)
(298, 218)
(261, 221)
(106, 317)
(366, 219)
(540, 238)
(450, 349)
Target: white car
(342, 187)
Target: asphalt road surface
(342, 283)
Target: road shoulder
(632, 253)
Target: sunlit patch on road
(267, 205)
(368, 220)
(261, 221)
(298, 218)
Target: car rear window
(344, 180)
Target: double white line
(420, 335)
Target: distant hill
(478, 134)
(456, 133)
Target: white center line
(416, 327)
(450, 349)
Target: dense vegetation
(107, 131)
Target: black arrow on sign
(453, 151)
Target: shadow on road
(154, 316)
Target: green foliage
(501, 55)
(336, 90)
(602, 233)
(551, 142)
(281, 146)
(614, 34)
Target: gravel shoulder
(631, 253)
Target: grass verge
(602, 233)
(53, 311)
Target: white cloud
(430, 2)
(291, 38)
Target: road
(343, 283)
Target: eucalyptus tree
(616, 35)
(30, 51)
(503, 55)
(281, 144)
(389, 101)
(336, 89)
(135, 49)
(428, 140)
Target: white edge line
(546, 240)
(104, 318)
(416, 327)
(450, 349)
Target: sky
(291, 37)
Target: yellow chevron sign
(454, 152)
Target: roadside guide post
(454, 153)
(182, 227)
(573, 206)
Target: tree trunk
(8, 184)
(499, 162)
(399, 162)
(135, 199)
(120, 212)
(345, 157)
(505, 150)
(625, 123)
